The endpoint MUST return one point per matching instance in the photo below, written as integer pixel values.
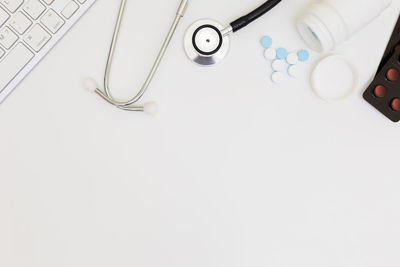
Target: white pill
(270, 54)
(292, 59)
(278, 65)
(277, 77)
(293, 71)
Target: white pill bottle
(328, 23)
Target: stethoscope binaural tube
(207, 42)
(149, 108)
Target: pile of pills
(282, 60)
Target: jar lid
(334, 78)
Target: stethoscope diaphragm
(207, 40)
(204, 43)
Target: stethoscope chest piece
(204, 43)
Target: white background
(233, 171)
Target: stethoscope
(206, 43)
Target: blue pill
(281, 53)
(303, 55)
(266, 42)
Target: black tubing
(252, 16)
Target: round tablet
(266, 41)
(393, 75)
(292, 58)
(380, 91)
(396, 104)
(293, 71)
(333, 78)
(303, 55)
(270, 54)
(281, 53)
(278, 65)
(277, 77)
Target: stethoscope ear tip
(90, 84)
(150, 108)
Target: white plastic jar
(330, 22)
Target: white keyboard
(28, 30)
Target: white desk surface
(233, 171)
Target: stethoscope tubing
(254, 15)
(129, 105)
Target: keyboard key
(20, 23)
(2, 53)
(37, 38)
(70, 10)
(13, 64)
(12, 5)
(3, 16)
(52, 21)
(34, 8)
(7, 37)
